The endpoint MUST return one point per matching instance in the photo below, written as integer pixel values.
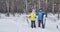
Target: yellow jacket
(32, 17)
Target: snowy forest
(14, 15)
(18, 6)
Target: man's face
(40, 10)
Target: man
(32, 17)
(40, 18)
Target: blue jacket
(40, 15)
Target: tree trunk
(53, 7)
(58, 14)
(7, 5)
(39, 4)
(12, 7)
(46, 7)
(26, 7)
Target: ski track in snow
(19, 24)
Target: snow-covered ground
(19, 23)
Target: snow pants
(40, 22)
(33, 25)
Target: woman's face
(33, 11)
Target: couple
(33, 17)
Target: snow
(18, 23)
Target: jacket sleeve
(29, 16)
(35, 16)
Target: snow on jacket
(40, 15)
(32, 16)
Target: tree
(12, 6)
(59, 8)
(7, 5)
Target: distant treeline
(19, 6)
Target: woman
(33, 17)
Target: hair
(40, 9)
